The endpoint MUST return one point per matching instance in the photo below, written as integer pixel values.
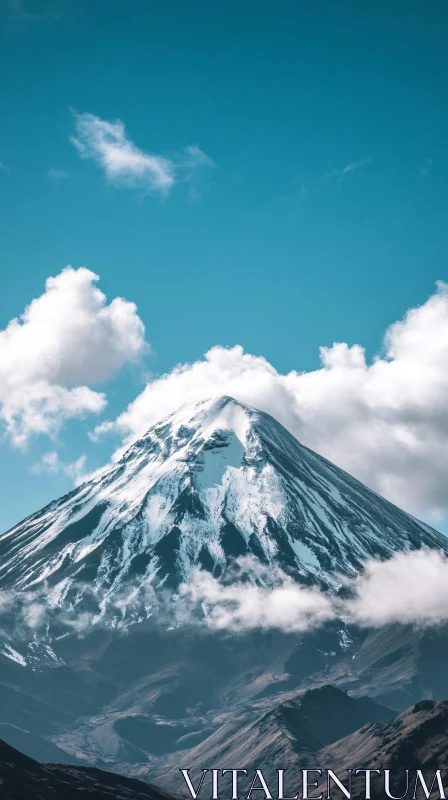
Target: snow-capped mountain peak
(212, 481)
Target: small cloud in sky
(425, 170)
(4, 168)
(107, 144)
(57, 174)
(51, 464)
(48, 463)
(195, 164)
(338, 174)
(18, 10)
(124, 163)
(22, 11)
(306, 187)
(77, 470)
(196, 157)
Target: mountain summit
(213, 481)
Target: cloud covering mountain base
(410, 588)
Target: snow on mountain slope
(211, 482)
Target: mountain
(142, 699)
(291, 733)
(415, 739)
(213, 481)
(22, 777)
(326, 728)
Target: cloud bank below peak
(123, 163)
(409, 589)
(385, 422)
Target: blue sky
(316, 215)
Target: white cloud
(409, 588)
(385, 422)
(19, 14)
(194, 165)
(425, 170)
(48, 463)
(57, 174)
(238, 605)
(17, 9)
(123, 162)
(77, 470)
(339, 173)
(51, 463)
(106, 142)
(234, 605)
(65, 340)
(196, 157)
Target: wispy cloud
(4, 168)
(338, 174)
(57, 174)
(124, 163)
(20, 13)
(76, 470)
(194, 165)
(308, 187)
(197, 158)
(50, 463)
(425, 170)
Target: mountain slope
(213, 481)
(22, 778)
(417, 738)
(326, 728)
(291, 733)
